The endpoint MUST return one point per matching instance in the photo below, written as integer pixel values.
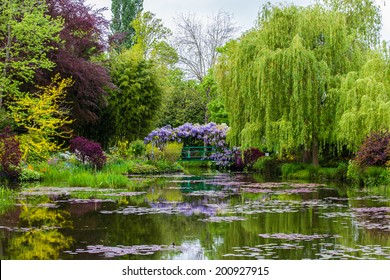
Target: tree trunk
(307, 156)
(315, 150)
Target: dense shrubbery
(10, 154)
(371, 164)
(375, 151)
(251, 155)
(88, 151)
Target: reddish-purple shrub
(251, 155)
(375, 150)
(88, 151)
(10, 154)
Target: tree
(79, 56)
(152, 37)
(363, 103)
(181, 103)
(123, 13)
(278, 80)
(41, 115)
(27, 34)
(134, 104)
(197, 45)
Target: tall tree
(123, 13)
(363, 102)
(197, 43)
(278, 81)
(27, 34)
(134, 104)
(152, 37)
(79, 56)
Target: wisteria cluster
(207, 134)
(226, 157)
(195, 134)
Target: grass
(7, 200)
(98, 179)
(113, 174)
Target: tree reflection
(41, 238)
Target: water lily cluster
(209, 134)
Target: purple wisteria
(209, 134)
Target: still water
(208, 216)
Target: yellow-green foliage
(42, 115)
(172, 151)
(279, 81)
(364, 103)
(153, 152)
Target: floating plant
(297, 236)
(220, 219)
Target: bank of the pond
(114, 174)
(370, 176)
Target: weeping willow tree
(364, 102)
(277, 80)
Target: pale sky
(244, 11)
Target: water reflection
(38, 236)
(219, 216)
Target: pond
(208, 216)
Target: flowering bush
(88, 151)
(10, 154)
(190, 134)
(195, 134)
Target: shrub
(172, 151)
(28, 175)
(153, 152)
(268, 166)
(88, 151)
(137, 148)
(291, 168)
(376, 176)
(251, 155)
(10, 154)
(375, 151)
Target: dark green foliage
(10, 154)
(88, 151)
(375, 151)
(134, 104)
(268, 166)
(183, 103)
(124, 12)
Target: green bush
(27, 175)
(288, 169)
(153, 153)
(372, 176)
(137, 148)
(268, 166)
(172, 151)
(376, 176)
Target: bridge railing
(196, 152)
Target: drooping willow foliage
(364, 103)
(281, 81)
